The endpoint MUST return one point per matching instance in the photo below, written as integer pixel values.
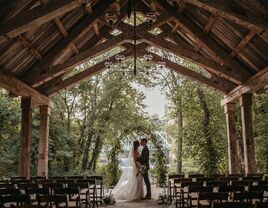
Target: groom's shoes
(147, 197)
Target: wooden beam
(26, 138)
(247, 129)
(88, 72)
(64, 32)
(42, 169)
(212, 19)
(221, 86)
(243, 43)
(211, 66)
(224, 11)
(76, 33)
(36, 17)
(96, 29)
(255, 83)
(19, 88)
(34, 52)
(229, 110)
(104, 32)
(78, 59)
(211, 46)
(78, 78)
(18, 7)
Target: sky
(154, 100)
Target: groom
(144, 160)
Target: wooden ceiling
(42, 41)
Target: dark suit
(144, 160)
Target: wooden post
(229, 110)
(26, 137)
(249, 150)
(43, 141)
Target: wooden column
(26, 137)
(43, 141)
(229, 110)
(249, 150)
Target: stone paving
(142, 203)
(139, 204)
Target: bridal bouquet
(141, 170)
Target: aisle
(138, 204)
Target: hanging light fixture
(111, 19)
(151, 18)
(161, 64)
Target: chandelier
(150, 17)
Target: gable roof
(41, 41)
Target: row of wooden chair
(185, 190)
(80, 190)
(216, 179)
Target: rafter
(253, 84)
(78, 59)
(225, 12)
(181, 51)
(223, 85)
(211, 46)
(212, 19)
(34, 52)
(81, 76)
(36, 17)
(19, 88)
(243, 43)
(75, 34)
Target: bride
(130, 184)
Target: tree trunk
(180, 136)
(211, 154)
(95, 153)
(86, 150)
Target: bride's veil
(124, 188)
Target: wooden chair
(216, 183)
(248, 196)
(232, 205)
(52, 201)
(196, 175)
(73, 195)
(22, 187)
(53, 186)
(99, 187)
(207, 199)
(84, 193)
(193, 192)
(231, 190)
(34, 178)
(205, 179)
(264, 182)
(171, 178)
(33, 193)
(7, 186)
(56, 178)
(252, 178)
(261, 205)
(217, 175)
(246, 183)
(92, 189)
(18, 199)
(15, 178)
(9, 191)
(181, 190)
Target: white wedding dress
(130, 185)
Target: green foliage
(160, 170)
(261, 130)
